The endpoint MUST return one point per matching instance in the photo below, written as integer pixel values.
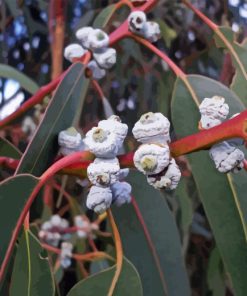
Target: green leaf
(219, 199)
(31, 274)
(128, 283)
(25, 82)
(167, 33)
(152, 244)
(7, 149)
(104, 16)
(59, 116)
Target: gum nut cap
(56, 220)
(121, 193)
(207, 122)
(152, 158)
(152, 127)
(214, 107)
(101, 142)
(152, 31)
(69, 138)
(137, 20)
(98, 39)
(73, 51)
(83, 35)
(103, 172)
(106, 58)
(97, 72)
(99, 199)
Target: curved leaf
(31, 274)
(128, 283)
(104, 16)
(7, 149)
(151, 240)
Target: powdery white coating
(99, 199)
(123, 173)
(137, 20)
(98, 39)
(121, 193)
(209, 122)
(83, 35)
(103, 172)
(227, 158)
(97, 72)
(102, 142)
(169, 179)
(83, 224)
(152, 158)
(151, 31)
(73, 51)
(152, 128)
(51, 238)
(106, 58)
(66, 254)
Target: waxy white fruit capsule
(106, 58)
(121, 193)
(152, 158)
(137, 20)
(83, 224)
(83, 35)
(227, 158)
(101, 142)
(152, 128)
(103, 172)
(98, 39)
(73, 51)
(168, 179)
(97, 72)
(70, 141)
(151, 31)
(99, 199)
(66, 254)
(123, 173)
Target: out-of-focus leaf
(104, 16)
(13, 7)
(167, 33)
(59, 116)
(7, 149)
(98, 284)
(151, 241)
(107, 107)
(25, 82)
(219, 199)
(31, 274)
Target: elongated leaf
(7, 149)
(128, 284)
(31, 274)
(59, 116)
(152, 244)
(104, 16)
(219, 199)
(25, 82)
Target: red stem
(98, 89)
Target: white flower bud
(66, 254)
(73, 51)
(226, 157)
(152, 31)
(106, 58)
(114, 124)
(103, 172)
(168, 179)
(152, 128)
(98, 39)
(102, 142)
(123, 174)
(83, 35)
(46, 225)
(70, 141)
(83, 224)
(99, 199)
(97, 72)
(121, 193)
(56, 220)
(137, 20)
(152, 158)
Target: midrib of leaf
(28, 263)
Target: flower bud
(106, 58)
(70, 141)
(123, 174)
(66, 254)
(83, 224)
(73, 51)
(151, 31)
(98, 39)
(99, 199)
(137, 20)
(83, 35)
(97, 72)
(121, 193)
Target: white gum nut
(97, 72)
(152, 158)
(207, 122)
(152, 128)
(101, 142)
(69, 138)
(226, 157)
(121, 193)
(106, 58)
(83, 224)
(66, 254)
(56, 220)
(83, 35)
(123, 174)
(98, 39)
(99, 199)
(73, 51)
(152, 31)
(137, 20)
(114, 124)
(103, 172)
